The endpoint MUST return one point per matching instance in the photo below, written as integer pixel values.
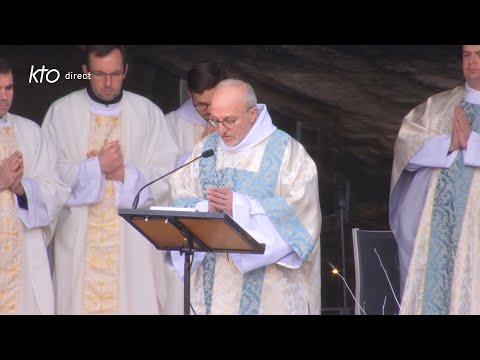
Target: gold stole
(101, 281)
(11, 237)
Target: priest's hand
(92, 153)
(118, 174)
(110, 157)
(454, 144)
(11, 169)
(220, 199)
(17, 186)
(463, 127)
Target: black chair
(377, 288)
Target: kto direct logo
(52, 75)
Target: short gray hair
(249, 94)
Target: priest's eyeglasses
(201, 107)
(228, 123)
(102, 75)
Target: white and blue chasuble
(278, 174)
(443, 276)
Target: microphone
(205, 154)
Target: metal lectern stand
(190, 232)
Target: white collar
(471, 95)
(188, 112)
(5, 121)
(262, 129)
(101, 109)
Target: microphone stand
(205, 154)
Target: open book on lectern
(169, 228)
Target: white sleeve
(249, 214)
(125, 192)
(89, 184)
(471, 155)
(434, 154)
(178, 262)
(37, 214)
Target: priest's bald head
(233, 110)
(108, 67)
(6, 87)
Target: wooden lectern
(189, 232)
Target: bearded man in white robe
(110, 143)
(268, 183)
(434, 203)
(31, 197)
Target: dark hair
(104, 50)
(5, 67)
(205, 75)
